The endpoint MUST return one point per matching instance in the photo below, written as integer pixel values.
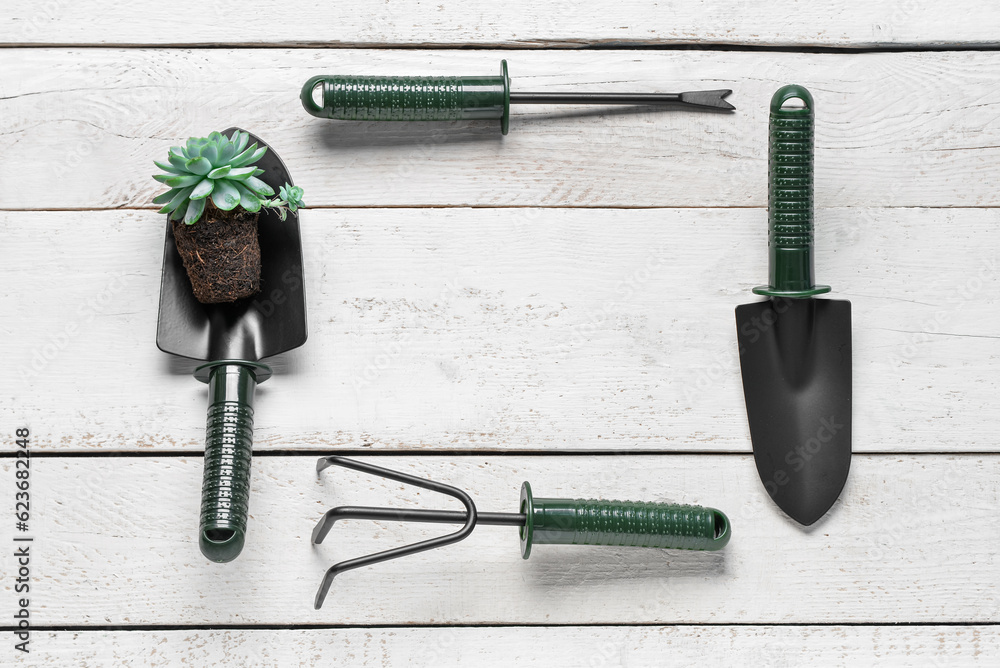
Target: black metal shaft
(595, 98)
(429, 516)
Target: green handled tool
(795, 351)
(540, 521)
(375, 98)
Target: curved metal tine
(395, 553)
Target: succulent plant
(289, 197)
(216, 166)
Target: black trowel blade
(269, 323)
(795, 355)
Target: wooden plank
(894, 129)
(512, 329)
(913, 538)
(887, 646)
(519, 23)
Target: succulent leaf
(225, 196)
(203, 189)
(259, 187)
(237, 161)
(248, 200)
(183, 181)
(219, 172)
(170, 169)
(242, 140)
(194, 211)
(249, 156)
(211, 153)
(241, 173)
(178, 160)
(199, 165)
(227, 153)
(180, 200)
(166, 197)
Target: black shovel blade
(271, 322)
(795, 355)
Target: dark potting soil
(221, 254)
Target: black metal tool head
(795, 355)
(269, 323)
(708, 99)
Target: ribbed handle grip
(394, 98)
(620, 523)
(228, 450)
(790, 165)
(374, 98)
(790, 196)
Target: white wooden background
(555, 305)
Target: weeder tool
(376, 98)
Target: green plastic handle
(225, 491)
(620, 523)
(373, 98)
(790, 197)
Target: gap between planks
(550, 46)
(491, 625)
(443, 452)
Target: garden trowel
(232, 339)
(795, 351)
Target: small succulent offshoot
(222, 168)
(289, 199)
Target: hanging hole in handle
(311, 100)
(721, 525)
(723, 530)
(792, 99)
(219, 535)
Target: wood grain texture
(519, 23)
(737, 646)
(893, 129)
(508, 329)
(590, 317)
(912, 538)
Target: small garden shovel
(795, 351)
(232, 339)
